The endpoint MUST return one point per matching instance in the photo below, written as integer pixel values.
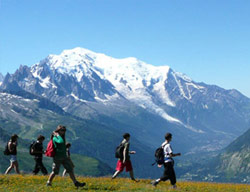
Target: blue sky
(207, 40)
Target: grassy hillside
(29, 183)
(83, 165)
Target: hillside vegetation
(28, 183)
(84, 165)
(233, 164)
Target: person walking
(68, 145)
(169, 172)
(12, 147)
(37, 151)
(61, 157)
(124, 161)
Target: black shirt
(13, 147)
(38, 149)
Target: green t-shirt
(60, 146)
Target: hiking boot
(154, 183)
(173, 187)
(48, 184)
(135, 180)
(78, 184)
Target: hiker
(61, 157)
(124, 161)
(169, 172)
(68, 145)
(12, 147)
(37, 151)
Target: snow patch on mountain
(45, 82)
(77, 98)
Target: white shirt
(167, 151)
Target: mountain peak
(77, 51)
(80, 60)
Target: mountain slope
(28, 116)
(130, 95)
(235, 161)
(232, 164)
(84, 165)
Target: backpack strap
(164, 146)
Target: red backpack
(50, 151)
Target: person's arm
(124, 154)
(174, 154)
(58, 139)
(170, 151)
(35, 150)
(11, 146)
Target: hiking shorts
(57, 161)
(120, 166)
(13, 158)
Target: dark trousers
(39, 166)
(169, 173)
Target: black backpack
(6, 150)
(119, 151)
(31, 148)
(159, 156)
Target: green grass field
(28, 183)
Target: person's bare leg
(9, 168)
(51, 177)
(116, 174)
(64, 172)
(16, 167)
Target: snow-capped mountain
(133, 79)
(144, 99)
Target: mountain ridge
(95, 86)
